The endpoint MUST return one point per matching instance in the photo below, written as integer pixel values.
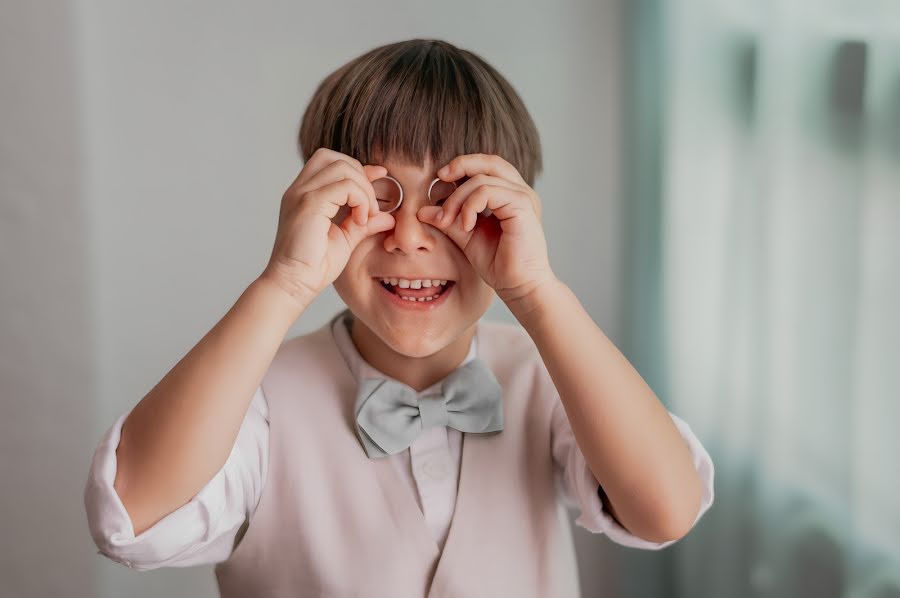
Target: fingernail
(439, 215)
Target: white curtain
(765, 216)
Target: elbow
(671, 521)
(675, 529)
(680, 521)
(669, 529)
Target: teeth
(404, 283)
(418, 283)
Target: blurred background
(721, 190)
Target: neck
(416, 372)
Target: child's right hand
(315, 234)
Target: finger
(454, 203)
(321, 158)
(503, 202)
(332, 197)
(453, 228)
(376, 224)
(336, 171)
(359, 205)
(373, 173)
(474, 164)
(331, 162)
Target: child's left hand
(507, 248)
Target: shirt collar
(361, 369)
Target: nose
(409, 235)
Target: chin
(421, 329)
(412, 339)
(415, 349)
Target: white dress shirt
(203, 530)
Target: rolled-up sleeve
(580, 489)
(203, 530)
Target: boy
(407, 447)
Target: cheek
(474, 284)
(486, 295)
(342, 285)
(478, 295)
(350, 281)
(346, 291)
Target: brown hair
(418, 99)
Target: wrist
(530, 303)
(286, 298)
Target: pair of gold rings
(389, 192)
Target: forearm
(626, 435)
(181, 433)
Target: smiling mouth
(416, 290)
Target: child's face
(413, 250)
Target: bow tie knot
(390, 415)
(433, 411)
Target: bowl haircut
(419, 99)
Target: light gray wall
(145, 149)
(48, 372)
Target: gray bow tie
(390, 415)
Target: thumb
(431, 215)
(380, 222)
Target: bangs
(418, 100)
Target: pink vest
(340, 524)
